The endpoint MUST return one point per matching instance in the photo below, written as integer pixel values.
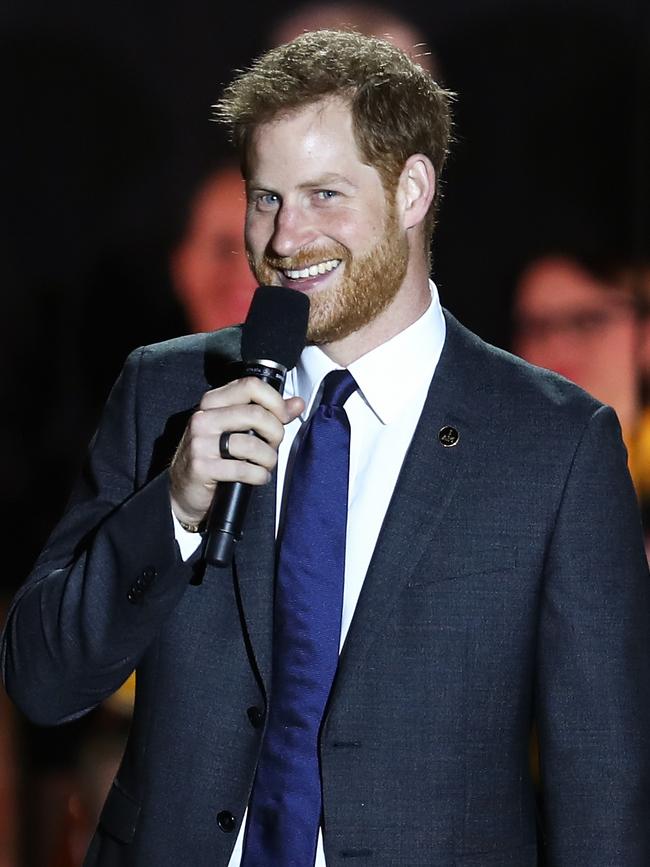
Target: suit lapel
(424, 488)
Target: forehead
(224, 190)
(557, 284)
(318, 134)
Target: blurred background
(122, 214)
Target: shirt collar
(390, 375)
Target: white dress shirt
(393, 380)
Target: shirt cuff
(187, 542)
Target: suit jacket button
(226, 821)
(148, 575)
(255, 716)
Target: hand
(197, 467)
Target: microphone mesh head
(276, 326)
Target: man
(494, 567)
(209, 270)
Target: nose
(292, 231)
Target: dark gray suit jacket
(509, 583)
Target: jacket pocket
(119, 818)
(461, 566)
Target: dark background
(106, 133)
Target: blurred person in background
(589, 323)
(209, 267)
(367, 18)
(633, 277)
(92, 771)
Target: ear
(415, 190)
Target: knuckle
(207, 400)
(276, 437)
(196, 422)
(253, 384)
(268, 463)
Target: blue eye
(326, 194)
(267, 201)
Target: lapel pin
(448, 436)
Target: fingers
(245, 391)
(203, 451)
(237, 408)
(210, 423)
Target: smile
(312, 270)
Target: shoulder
(514, 388)
(195, 357)
(225, 343)
(527, 425)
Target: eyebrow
(317, 182)
(327, 178)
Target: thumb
(294, 406)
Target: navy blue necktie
(285, 807)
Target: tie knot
(338, 385)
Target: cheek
(620, 348)
(257, 232)
(356, 232)
(222, 266)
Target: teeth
(313, 270)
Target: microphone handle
(225, 522)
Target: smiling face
(319, 220)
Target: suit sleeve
(593, 686)
(107, 578)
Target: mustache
(307, 257)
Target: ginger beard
(365, 288)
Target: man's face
(319, 221)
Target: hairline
(389, 175)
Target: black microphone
(273, 337)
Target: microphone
(273, 337)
